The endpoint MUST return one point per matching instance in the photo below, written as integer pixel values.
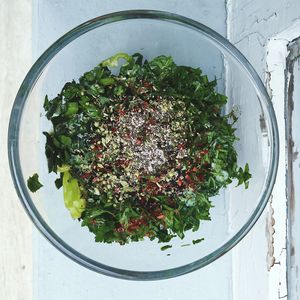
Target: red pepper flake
(152, 188)
(133, 227)
(151, 121)
(188, 178)
(120, 229)
(204, 152)
(97, 147)
(135, 224)
(147, 85)
(138, 142)
(181, 146)
(121, 112)
(200, 177)
(160, 217)
(127, 135)
(179, 182)
(86, 175)
(95, 179)
(123, 162)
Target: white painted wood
(16, 228)
(293, 171)
(259, 269)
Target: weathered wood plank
(293, 166)
(15, 229)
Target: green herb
(198, 241)
(164, 248)
(140, 153)
(33, 183)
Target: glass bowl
(151, 33)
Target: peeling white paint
(293, 170)
(270, 222)
(277, 53)
(262, 30)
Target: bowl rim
(14, 157)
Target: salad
(141, 152)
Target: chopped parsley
(197, 241)
(33, 183)
(164, 248)
(140, 153)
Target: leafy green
(84, 117)
(198, 241)
(33, 183)
(164, 248)
(244, 176)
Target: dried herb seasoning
(140, 153)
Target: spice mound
(141, 152)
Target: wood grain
(15, 229)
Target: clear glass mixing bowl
(151, 33)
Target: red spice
(204, 152)
(138, 142)
(200, 177)
(86, 175)
(158, 214)
(161, 216)
(181, 146)
(123, 162)
(120, 229)
(133, 227)
(147, 85)
(127, 136)
(135, 224)
(121, 112)
(97, 147)
(151, 121)
(152, 188)
(93, 222)
(179, 182)
(188, 178)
